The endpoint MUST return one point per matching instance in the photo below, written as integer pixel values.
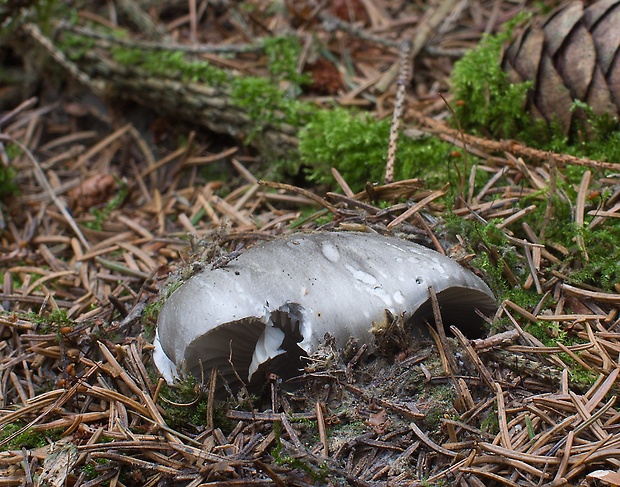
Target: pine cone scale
(576, 60)
(560, 25)
(613, 81)
(606, 35)
(551, 94)
(597, 11)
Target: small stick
(594, 424)
(485, 344)
(322, 431)
(162, 46)
(602, 390)
(405, 49)
(417, 207)
(533, 271)
(580, 209)
(211, 399)
(523, 312)
(472, 184)
(441, 331)
(354, 361)
(597, 296)
(403, 410)
(56, 404)
(425, 226)
(292, 434)
(25, 105)
(270, 472)
(430, 443)
(343, 184)
(301, 191)
(516, 216)
(471, 142)
(574, 356)
(160, 384)
(98, 87)
(565, 458)
(501, 414)
(473, 355)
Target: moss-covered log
(253, 110)
(210, 106)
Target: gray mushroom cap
(276, 302)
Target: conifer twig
(471, 142)
(405, 49)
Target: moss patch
(356, 144)
(487, 100)
(29, 439)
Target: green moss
(75, 45)
(262, 98)
(28, 439)
(318, 474)
(548, 332)
(149, 318)
(128, 56)
(267, 105)
(42, 12)
(598, 137)
(149, 323)
(490, 102)
(490, 423)
(485, 240)
(102, 214)
(594, 262)
(579, 375)
(193, 410)
(283, 58)
(7, 182)
(190, 406)
(50, 322)
(442, 398)
(7, 174)
(601, 268)
(90, 470)
(356, 144)
(171, 65)
(433, 417)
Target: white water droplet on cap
(330, 251)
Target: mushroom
(272, 306)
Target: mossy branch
(285, 130)
(190, 90)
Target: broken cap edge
(166, 367)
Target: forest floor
(103, 198)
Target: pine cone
(574, 54)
